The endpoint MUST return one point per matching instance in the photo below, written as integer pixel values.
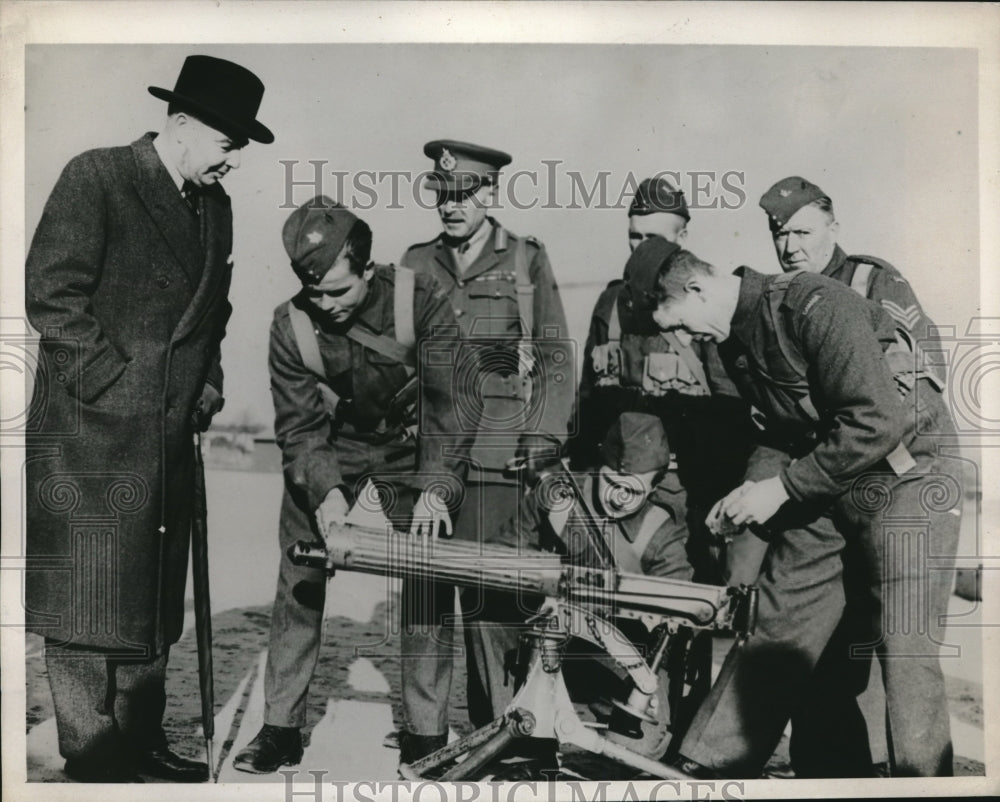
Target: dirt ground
(241, 635)
(243, 514)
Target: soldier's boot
(272, 748)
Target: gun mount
(571, 602)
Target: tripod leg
(454, 750)
(478, 758)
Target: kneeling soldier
(634, 499)
(631, 510)
(341, 352)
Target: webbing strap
(859, 281)
(524, 288)
(402, 306)
(305, 339)
(656, 516)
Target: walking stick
(203, 604)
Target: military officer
(505, 297)
(341, 352)
(841, 397)
(631, 365)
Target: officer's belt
(379, 435)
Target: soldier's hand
(429, 514)
(210, 402)
(755, 502)
(332, 512)
(717, 522)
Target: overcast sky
(889, 133)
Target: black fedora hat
(222, 94)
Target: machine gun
(576, 602)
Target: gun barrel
(398, 554)
(464, 563)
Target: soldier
(860, 427)
(631, 365)
(505, 297)
(804, 229)
(635, 505)
(634, 496)
(341, 358)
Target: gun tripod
(542, 707)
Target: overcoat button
(162, 282)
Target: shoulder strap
(859, 281)
(402, 309)
(305, 339)
(401, 347)
(656, 516)
(614, 324)
(380, 344)
(525, 289)
(776, 296)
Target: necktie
(190, 194)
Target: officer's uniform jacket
(662, 554)
(484, 300)
(879, 281)
(316, 448)
(850, 416)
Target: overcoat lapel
(214, 221)
(167, 207)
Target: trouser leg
(492, 622)
(140, 700)
(913, 538)
(427, 654)
(296, 624)
(762, 680)
(84, 712)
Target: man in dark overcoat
(127, 281)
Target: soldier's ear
(694, 284)
(368, 272)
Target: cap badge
(314, 237)
(447, 162)
(784, 192)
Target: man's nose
(233, 159)
(327, 303)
